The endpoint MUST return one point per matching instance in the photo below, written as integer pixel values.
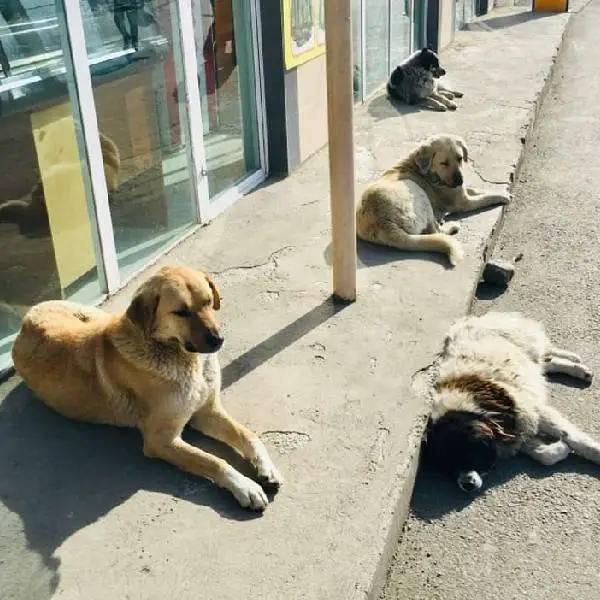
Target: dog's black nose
(442, 72)
(457, 179)
(214, 341)
(468, 486)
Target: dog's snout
(469, 482)
(213, 340)
(457, 179)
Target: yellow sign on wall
(303, 31)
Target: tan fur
(405, 207)
(135, 369)
(112, 162)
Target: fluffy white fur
(515, 353)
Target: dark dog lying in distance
(415, 81)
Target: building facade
(125, 124)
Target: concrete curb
(526, 139)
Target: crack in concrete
(272, 259)
(490, 181)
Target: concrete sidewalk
(332, 390)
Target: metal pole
(340, 113)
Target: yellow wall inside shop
(60, 169)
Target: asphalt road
(534, 532)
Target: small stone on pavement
(498, 272)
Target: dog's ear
(493, 431)
(423, 159)
(142, 310)
(463, 147)
(215, 292)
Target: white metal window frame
(77, 63)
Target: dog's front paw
(266, 471)
(452, 106)
(504, 199)
(268, 475)
(247, 492)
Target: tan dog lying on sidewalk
(406, 207)
(153, 367)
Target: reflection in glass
(227, 79)
(47, 249)
(377, 44)
(357, 49)
(135, 63)
(400, 31)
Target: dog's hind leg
(554, 424)
(546, 453)
(555, 364)
(394, 236)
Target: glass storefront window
(357, 49)
(399, 31)
(376, 44)
(47, 229)
(227, 78)
(384, 38)
(135, 63)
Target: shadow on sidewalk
(371, 255)
(59, 476)
(267, 349)
(382, 107)
(507, 21)
(435, 496)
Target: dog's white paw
(583, 372)
(456, 253)
(451, 228)
(267, 472)
(247, 492)
(505, 199)
(268, 475)
(554, 452)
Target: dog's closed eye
(183, 312)
(445, 163)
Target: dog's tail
(553, 423)
(394, 236)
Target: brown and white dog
(490, 399)
(153, 367)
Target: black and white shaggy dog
(490, 399)
(415, 81)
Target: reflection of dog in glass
(29, 212)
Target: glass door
(229, 91)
